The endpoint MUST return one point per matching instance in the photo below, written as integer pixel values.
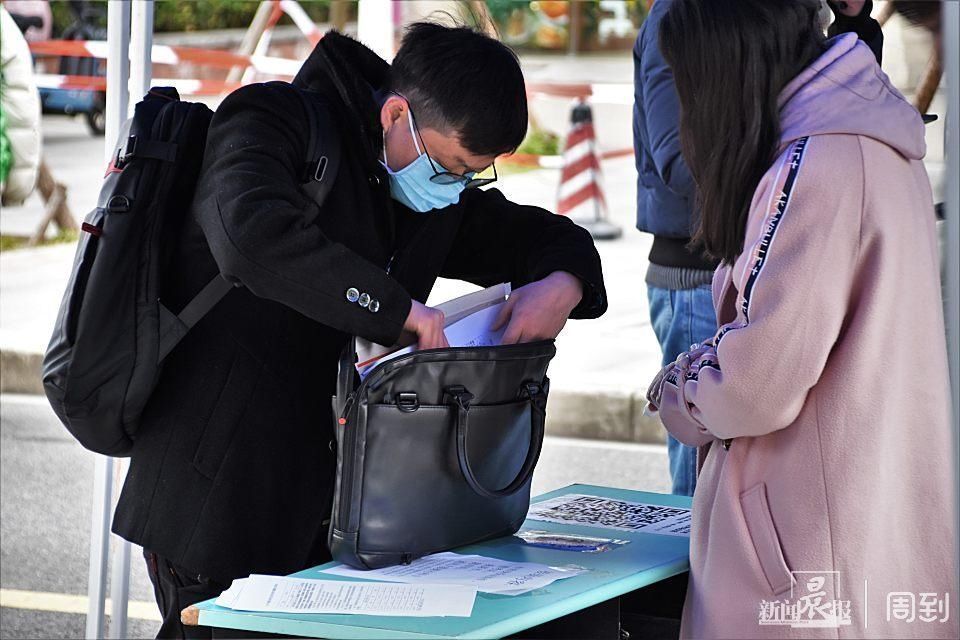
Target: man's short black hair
(462, 81)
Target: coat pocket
(763, 535)
(227, 414)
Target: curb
(603, 415)
(611, 416)
(20, 372)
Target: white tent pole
(119, 572)
(375, 26)
(118, 70)
(141, 41)
(118, 40)
(99, 546)
(951, 44)
(141, 44)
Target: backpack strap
(323, 148)
(319, 174)
(136, 147)
(174, 327)
(208, 297)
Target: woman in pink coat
(824, 504)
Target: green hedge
(192, 15)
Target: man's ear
(391, 111)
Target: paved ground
(45, 510)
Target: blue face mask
(412, 185)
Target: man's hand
(427, 324)
(539, 310)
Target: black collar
(349, 74)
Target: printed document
(489, 575)
(608, 513)
(468, 321)
(301, 595)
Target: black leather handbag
(436, 450)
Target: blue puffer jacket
(665, 189)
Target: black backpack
(113, 331)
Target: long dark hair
(730, 60)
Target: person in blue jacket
(679, 275)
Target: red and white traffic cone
(581, 181)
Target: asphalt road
(46, 485)
(45, 510)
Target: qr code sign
(613, 514)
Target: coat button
(374, 180)
(374, 306)
(364, 300)
(353, 294)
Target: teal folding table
(646, 560)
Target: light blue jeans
(681, 317)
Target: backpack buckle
(127, 152)
(321, 169)
(314, 171)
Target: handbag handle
(538, 413)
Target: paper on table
(489, 575)
(302, 595)
(608, 513)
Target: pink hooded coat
(828, 382)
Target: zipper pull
(342, 420)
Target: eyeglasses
(442, 176)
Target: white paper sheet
(489, 575)
(613, 514)
(459, 332)
(300, 595)
(476, 330)
(473, 330)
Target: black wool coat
(233, 466)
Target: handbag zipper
(342, 419)
(346, 482)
